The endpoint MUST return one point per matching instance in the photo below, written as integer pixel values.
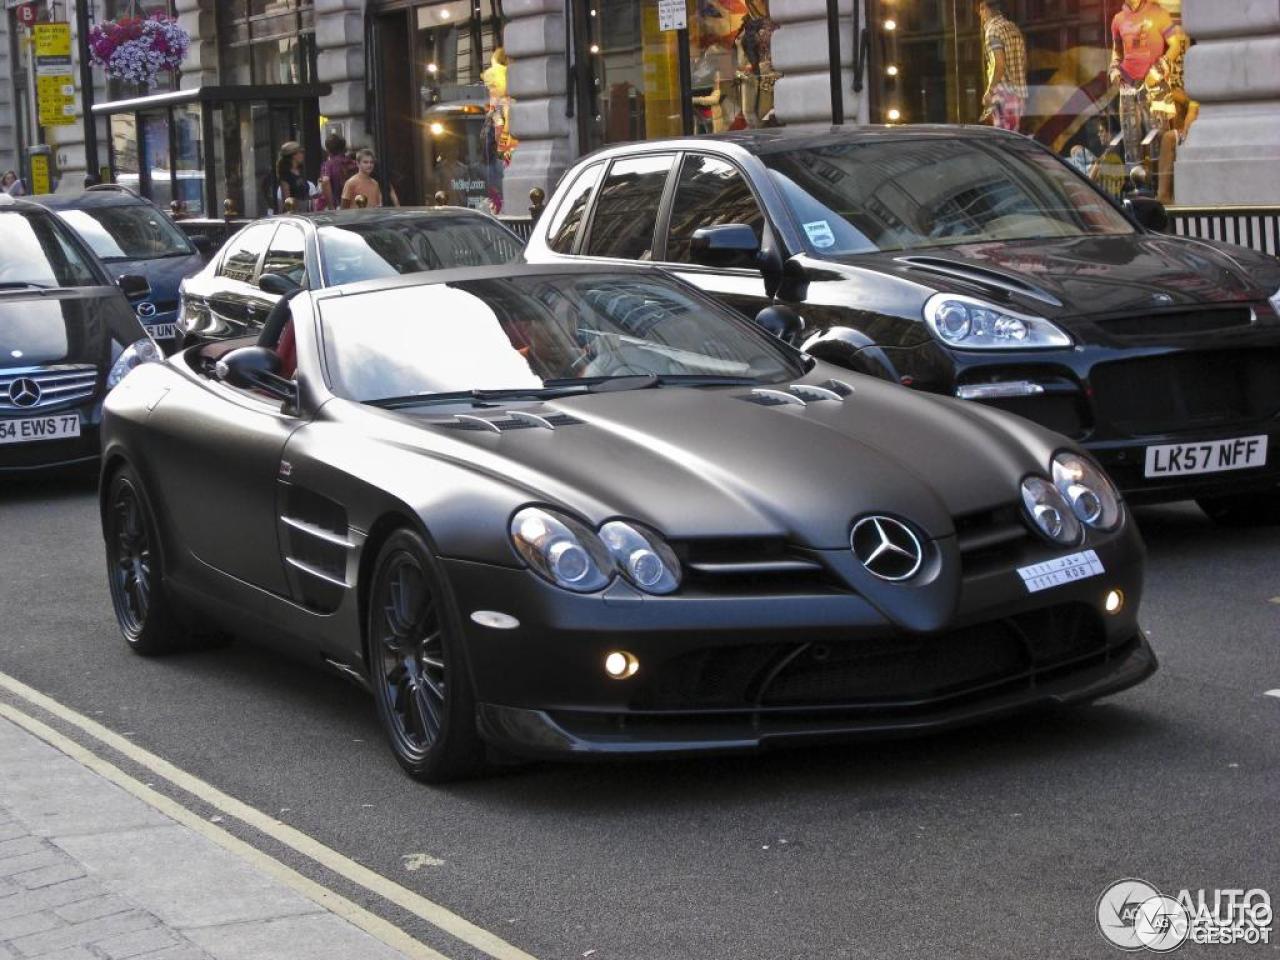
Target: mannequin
(497, 143)
(1145, 44)
(755, 58)
(715, 110)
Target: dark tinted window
(376, 247)
(35, 251)
(243, 251)
(627, 208)
(710, 192)
(287, 254)
(564, 229)
(134, 232)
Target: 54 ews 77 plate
(40, 428)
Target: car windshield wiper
(23, 285)
(482, 397)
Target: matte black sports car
(67, 336)
(571, 511)
(974, 263)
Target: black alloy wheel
(419, 679)
(134, 569)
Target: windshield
(526, 333)
(386, 247)
(891, 195)
(135, 232)
(35, 252)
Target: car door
(710, 191)
(235, 303)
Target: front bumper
(773, 664)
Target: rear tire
(135, 570)
(417, 665)
(1243, 510)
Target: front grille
(1187, 391)
(750, 566)
(58, 386)
(989, 539)
(831, 671)
(1172, 324)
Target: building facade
(479, 101)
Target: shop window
(287, 254)
(626, 212)
(709, 192)
(562, 234)
(732, 75)
(243, 252)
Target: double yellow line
(431, 912)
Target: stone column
(340, 63)
(534, 39)
(803, 95)
(9, 159)
(200, 66)
(1232, 154)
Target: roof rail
(116, 187)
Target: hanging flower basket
(137, 49)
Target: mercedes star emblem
(887, 548)
(24, 392)
(146, 309)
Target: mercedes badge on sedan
(567, 511)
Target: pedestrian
(1004, 51)
(363, 183)
(336, 170)
(11, 185)
(291, 182)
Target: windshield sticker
(820, 234)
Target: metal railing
(1255, 227)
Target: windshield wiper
(23, 285)
(481, 397)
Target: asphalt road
(991, 842)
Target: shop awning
(279, 91)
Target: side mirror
(133, 286)
(255, 368)
(276, 284)
(726, 245)
(1150, 213)
(781, 321)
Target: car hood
(1088, 276)
(711, 463)
(84, 325)
(165, 274)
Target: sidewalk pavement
(90, 872)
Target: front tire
(417, 666)
(135, 570)
(1243, 510)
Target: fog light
(620, 665)
(1114, 602)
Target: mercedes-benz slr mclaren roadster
(563, 511)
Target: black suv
(969, 262)
(67, 336)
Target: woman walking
(291, 182)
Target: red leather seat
(287, 350)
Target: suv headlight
(1089, 491)
(643, 557)
(1050, 512)
(969, 324)
(138, 352)
(561, 550)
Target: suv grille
(1178, 323)
(56, 386)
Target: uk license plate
(1212, 456)
(162, 331)
(1060, 570)
(40, 428)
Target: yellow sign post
(40, 173)
(55, 84)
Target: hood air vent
(981, 275)
(800, 394)
(514, 420)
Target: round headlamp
(560, 549)
(643, 557)
(1049, 511)
(1090, 492)
(971, 324)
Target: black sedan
(234, 294)
(67, 336)
(567, 511)
(974, 263)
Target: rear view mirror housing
(725, 245)
(134, 286)
(256, 368)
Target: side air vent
(980, 275)
(315, 538)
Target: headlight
(1275, 301)
(140, 351)
(1088, 490)
(561, 549)
(1049, 511)
(642, 556)
(970, 324)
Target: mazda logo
(887, 548)
(146, 309)
(24, 392)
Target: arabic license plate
(162, 331)
(1060, 570)
(40, 428)
(1212, 456)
